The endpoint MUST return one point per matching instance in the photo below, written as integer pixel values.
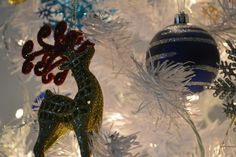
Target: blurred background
(125, 30)
(11, 92)
(11, 89)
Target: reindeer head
(68, 46)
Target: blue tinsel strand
(57, 10)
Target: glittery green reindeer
(59, 114)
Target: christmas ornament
(230, 109)
(56, 10)
(58, 113)
(15, 1)
(224, 87)
(218, 17)
(186, 43)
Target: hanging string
(74, 15)
(181, 5)
(232, 122)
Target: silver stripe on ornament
(198, 83)
(206, 68)
(181, 26)
(174, 40)
(175, 30)
(157, 57)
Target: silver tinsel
(112, 144)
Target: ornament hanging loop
(181, 5)
(181, 18)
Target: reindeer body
(59, 114)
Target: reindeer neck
(83, 76)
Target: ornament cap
(181, 18)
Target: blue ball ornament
(183, 42)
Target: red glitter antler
(53, 55)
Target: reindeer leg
(79, 125)
(50, 131)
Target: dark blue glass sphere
(181, 43)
